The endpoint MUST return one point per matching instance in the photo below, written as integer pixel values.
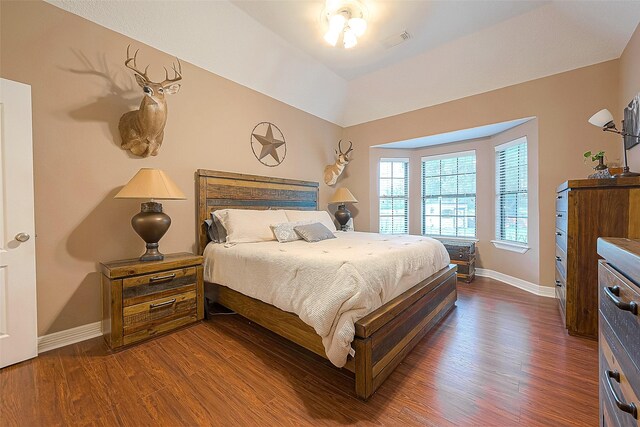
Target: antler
(135, 66)
(176, 77)
(350, 148)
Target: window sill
(511, 246)
(461, 239)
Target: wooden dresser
(143, 299)
(585, 210)
(619, 277)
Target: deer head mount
(142, 130)
(332, 172)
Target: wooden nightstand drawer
(144, 299)
(151, 313)
(148, 287)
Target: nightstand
(143, 299)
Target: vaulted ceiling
(456, 48)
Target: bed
(381, 338)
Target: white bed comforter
(329, 284)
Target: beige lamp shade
(151, 184)
(343, 195)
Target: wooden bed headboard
(228, 190)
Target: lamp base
(626, 173)
(343, 216)
(151, 224)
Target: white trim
(543, 291)
(450, 155)
(394, 159)
(511, 246)
(461, 239)
(69, 336)
(518, 141)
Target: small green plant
(594, 156)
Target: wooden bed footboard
(387, 335)
(383, 338)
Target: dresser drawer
(561, 262)
(561, 289)
(561, 239)
(562, 201)
(619, 379)
(561, 220)
(162, 310)
(615, 288)
(149, 287)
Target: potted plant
(601, 169)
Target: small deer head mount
(332, 172)
(142, 130)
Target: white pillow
(246, 226)
(322, 217)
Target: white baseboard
(543, 291)
(69, 336)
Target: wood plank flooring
(501, 358)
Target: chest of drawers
(585, 210)
(619, 332)
(143, 299)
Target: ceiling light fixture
(345, 18)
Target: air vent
(392, 41)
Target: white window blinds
(394, 196)
(449, 195)
(512, 205)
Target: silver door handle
(22, 237)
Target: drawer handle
(559, 215)
(558, 233)
(558, 283)
(629, 408)
(162, 304)
(558, 258)
(162, 278)
(559, 196)
(613, 293)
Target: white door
(18, 325)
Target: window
(394, 196)
(511, 192)
(449, 195)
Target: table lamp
(604, 120)
(151, 223)
(342, 196)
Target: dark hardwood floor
(500, 358)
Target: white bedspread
(329, 284)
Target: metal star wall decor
(270, 150)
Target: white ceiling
(456, 136)
(430, 24)
(457, 49)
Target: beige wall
(80, 88)
(630, 86)
(562, 104)
(524, 266)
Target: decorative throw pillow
(314, 232)
(247, 226)
(285, 232)
(220, 232)
(212, 232)
(322, 217)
